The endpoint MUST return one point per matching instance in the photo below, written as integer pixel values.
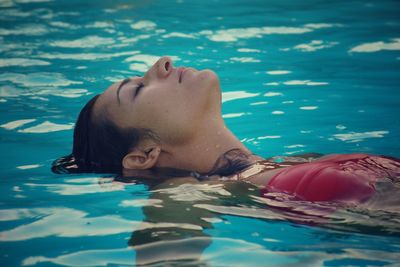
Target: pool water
(297, 77)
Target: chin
(211, 77)
(212, 84)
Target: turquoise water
(297, 76)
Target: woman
(170, 121)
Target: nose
(163, 67)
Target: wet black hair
(99, 145)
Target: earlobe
(141, 159)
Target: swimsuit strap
(256, 168)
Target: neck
(210, 151)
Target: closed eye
(138, 88)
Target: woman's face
(173, 102)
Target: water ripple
(22, 62)
(358, 137)
(270, 94)
(94, 257)
(377, 46)
(16, 124)
(309, 108)
(37, 79)
(29, 30)
(53, 222)
(146, 25)
(85, 56)
(278, 72)
(233, 95)
(85, 42)
(79, 189)
(47, 127)
(248, 50)
(314, 45)
(245, 59)
(233, 35)
(179, 35)
(195, 192)
(234, 115)
(10, 91)
(304, 82)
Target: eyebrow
(120, 87)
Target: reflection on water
(296, 77)
(98, 257)
(187, 221)
(53, 222)
(394, 44)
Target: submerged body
(345, 178)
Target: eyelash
(138, 88)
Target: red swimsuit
(346, 178)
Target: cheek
(172, 119)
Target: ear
(141, 159)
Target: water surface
(297, 77)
